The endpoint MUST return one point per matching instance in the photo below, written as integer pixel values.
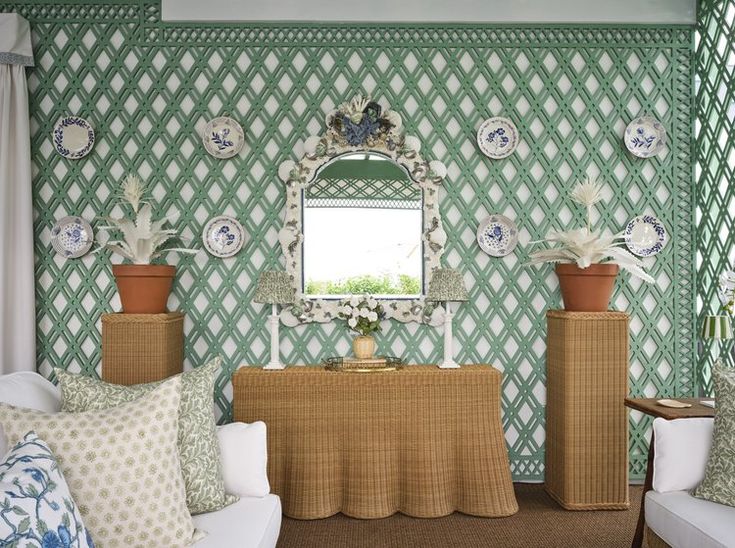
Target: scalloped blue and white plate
(497, 137)
(71, 237)
(223, 236)
(497, 235)
(645, 137)
(645, 236)
(223, 137)
(73, 137)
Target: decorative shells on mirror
(361, 125)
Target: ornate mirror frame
(361, 126)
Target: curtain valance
(15, 40)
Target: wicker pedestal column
(586, 420)
(140, 348)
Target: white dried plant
(142, 237)
(726, 290)
(585, 246)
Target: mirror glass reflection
(362, 225)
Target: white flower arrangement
(726, 291)
(585, 246)
(142, 238)
(362, 313)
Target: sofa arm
(681, 449)
(244, 458)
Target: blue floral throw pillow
(36, 508)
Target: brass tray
(381, 364)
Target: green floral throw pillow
(198, 445)
(719, 477)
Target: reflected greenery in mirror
(362, 225)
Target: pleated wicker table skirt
(421, 441)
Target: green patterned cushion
(198, 445)
(719, 477)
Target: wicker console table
(140, 348)
(421, 441)
(586, 421)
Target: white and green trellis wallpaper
(715, 161)
(148, 87)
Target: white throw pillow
(681, 451)
(244, 457)
(31, 390)
(121, 465)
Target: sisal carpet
(540, 522)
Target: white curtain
(17, 297)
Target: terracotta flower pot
(143, 288)
(586, 289)
(363, 347)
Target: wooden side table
(141, 348)
(649, 406)
(422, 441)
(586, 422)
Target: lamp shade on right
(717, 327)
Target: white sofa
(681, 448)
(252, 522)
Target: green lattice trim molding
(399, 194)
(156, 32)
(147, 87)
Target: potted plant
(363, 315)
(587, 260)
(144, 287)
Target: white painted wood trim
(434, 11)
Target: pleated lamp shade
(274, 287)
(717, 327)
(446, 285)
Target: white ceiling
(434, 11)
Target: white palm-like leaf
(132, 191)
(584, 246)
(142, 238)
(587, 193)
(143, 220)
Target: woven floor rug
(539, 523)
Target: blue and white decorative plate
(497, 235)
(497, 138)
(645, 137)
(645, 236)
(223, 236)
(71, 237)
(73, 137)
(223, 137)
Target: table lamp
(717, 328)
(447, 286)
(274, 287)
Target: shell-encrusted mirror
(362, 216)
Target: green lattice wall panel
(715, 159)
(148, 87)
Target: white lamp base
(275, 363)
(448, 362)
